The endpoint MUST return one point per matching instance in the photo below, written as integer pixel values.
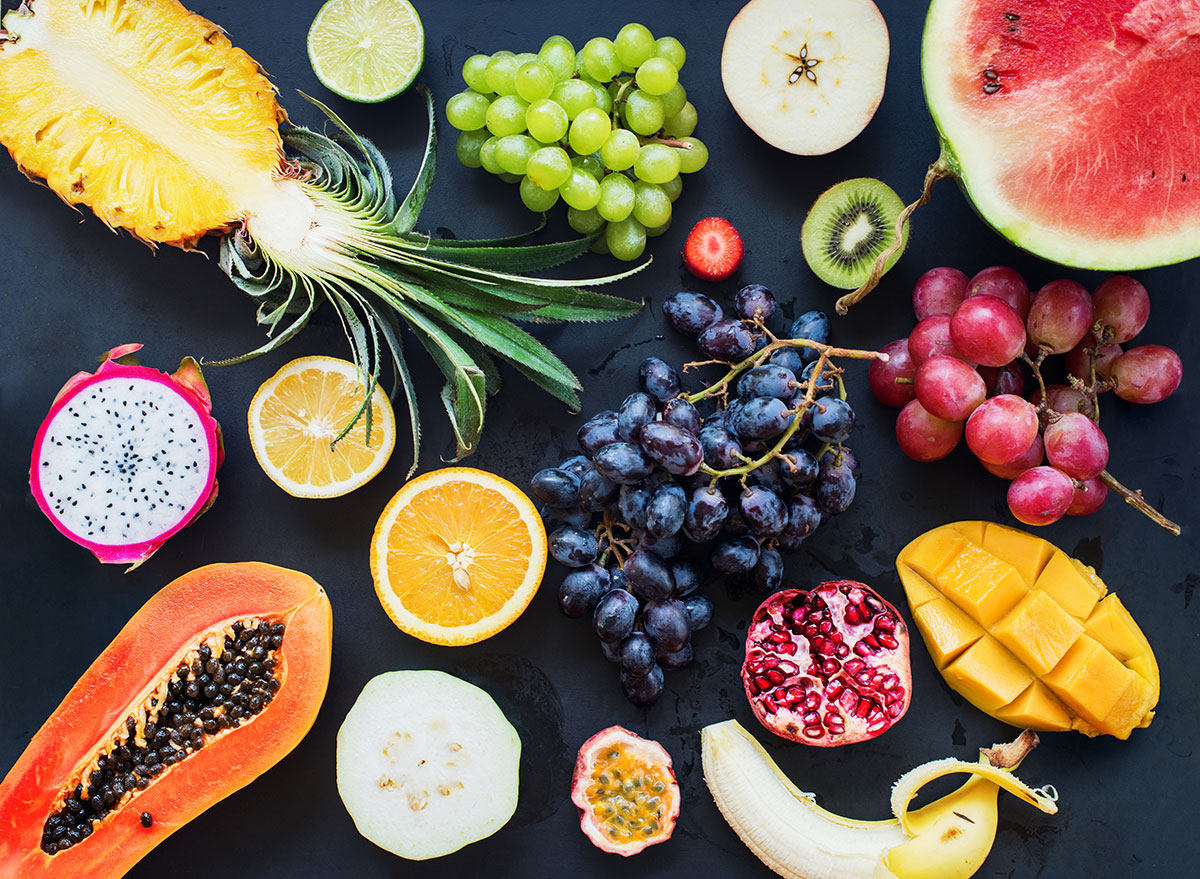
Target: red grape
(1004, 380)
(1002, 429)
(925, 437)
(1088, 498)
(892, 382)
(939, 291)
(987, 330)
(1123, 304)
(1077, 446)
(1060, 315)
(1063, 399)
(1031, 458)
(1003, 283)
(949, 388)
(931, 337)
(1041, 495)
(1079, 362)
(1147, 374)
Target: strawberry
(713, 249)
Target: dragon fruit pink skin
(95, 476)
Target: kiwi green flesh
(847, 228)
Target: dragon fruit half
(127, 456)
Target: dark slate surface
(71, 289)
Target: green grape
(487, 156)
(674, 100)
(513, 152)
(657, 76)
(673, 188)
(546, 121)
(581, 190)
(574, 96)
(467, 111)
(589, 131)
(509, 178)
(549, 167)
(526, 57)
(651, 206)
(506, 115)
(604, 100)
(656, 163)
(694, 159)
(658, 230)
(643, 113)
(534, 80)
(502, 74)
(671, 49)
(558, 54)
(474, 73)
(626, 240)
(617, 197)
(585, 222)
(620, 150)
(634, 44)
(600, 245)
(599, 59)
(682, 123)
(591, 164)
(469, 144)
(535, 198)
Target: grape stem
(1134, 499)
(939, 170)
(666, 141)
(609, 541)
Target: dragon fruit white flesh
(127, 456)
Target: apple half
(806, 75)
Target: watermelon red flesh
(1088, 152)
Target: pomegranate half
(827, 667)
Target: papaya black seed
(147, 819)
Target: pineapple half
(146, 113)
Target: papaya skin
(145, 650)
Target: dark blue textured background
(71, 289)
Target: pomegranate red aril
(924, 437)
(1002, 429)
(1123, 305)
(1079, 359)
(1032, 457)
(939, 291)
(1147, 374)
(988, 330)
(1089, 496)
(1077, 446)
(891, 381)
(948, 388)
(1041, 495)
(930, 338)
(1060, 316)
(1005, 284)
(829, 702)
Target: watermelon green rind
(989, 147)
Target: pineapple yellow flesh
(140, 110)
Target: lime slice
(366, 50)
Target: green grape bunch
(607, 129)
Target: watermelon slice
(1073, 125)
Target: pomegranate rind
(1051, 113)
(189, 386)
(787, 722)
(647, 750)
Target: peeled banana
(791, 834)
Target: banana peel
(783, 825)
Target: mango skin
(1026, 633)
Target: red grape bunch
(959, 373)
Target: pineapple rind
(143, 111)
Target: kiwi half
(848, 226)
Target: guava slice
(426, 764)
(1073, 125)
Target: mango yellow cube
(946, 629)
(1090, 680)
(1064, 582)
(1038, 632)
(981, 584)
(1024, 551)
(988, 675)
(1036, 708)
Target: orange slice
(457, 555)
(299, 411)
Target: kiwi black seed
(848, 226)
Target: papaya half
(210, 684)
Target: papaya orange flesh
(152, 679)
